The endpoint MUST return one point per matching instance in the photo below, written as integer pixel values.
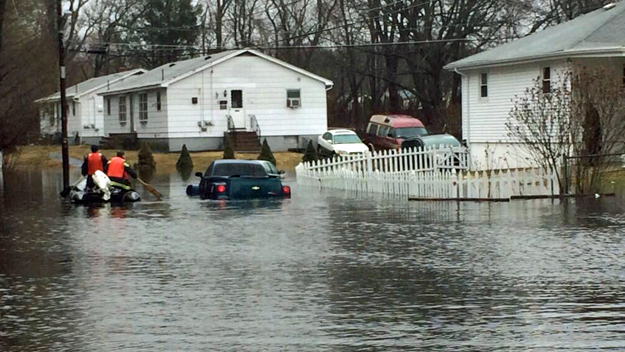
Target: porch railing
(254, 125)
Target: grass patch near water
(39, 156)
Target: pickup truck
(240, 179)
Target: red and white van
(389, 131)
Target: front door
(237, 110)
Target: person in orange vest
(93, 162)
(118, 172)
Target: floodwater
(323, 271)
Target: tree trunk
(391, 72)
(2, 8)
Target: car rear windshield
(270, 168)
(346, 139)
(239, 169)
(407, 132)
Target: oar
(65, 192)
(152, 190)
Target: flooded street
(323, 271)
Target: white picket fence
(398, 161)
(432, 184)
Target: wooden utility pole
(64, 147)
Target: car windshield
(346, 139)
(242, 169)
(407, 132)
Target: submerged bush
(184, 161)
(145, 157)
(184, 165)
(310, 154)
(228, 148)
(266, 154)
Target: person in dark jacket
(93, 162)
(119, 172)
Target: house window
(143, 108)
(52, 114)
(484, 85)
(73, 108)
(108, 106)
(158, 101)
(122, 110)
(546, 80)
(293, 98)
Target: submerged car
(340, 142)
(240, 179)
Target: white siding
(264, 86)
(156, 125)
(487, 117)
(92, 114)
(484, 119)
(47, 114)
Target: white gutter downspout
(202, 103)
(211, 94)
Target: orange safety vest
(117, 168)
(94, 163)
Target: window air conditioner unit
(293, 103)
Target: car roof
(237, 161)
(342, 132)
(396, 120)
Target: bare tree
(598, 108)
(541, 125)
(243, 21)
(109, 20)
(220, 9)
(3, 4)
(582, 117)
(25, 73)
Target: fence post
(565, 175)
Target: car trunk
(254, 187)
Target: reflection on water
(323, 271)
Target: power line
(336, 46)
(155, 47)
(358, 21)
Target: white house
(84, 107)
(492, 79)
(195, 102)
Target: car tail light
(286, 190)
(221, 188)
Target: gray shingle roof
(90, 84)
(597, 31)
(167, 72)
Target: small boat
(102, 192)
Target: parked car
(457, 159)
(389, 131)
(340, 142)
(240, 179)
(436, 140)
